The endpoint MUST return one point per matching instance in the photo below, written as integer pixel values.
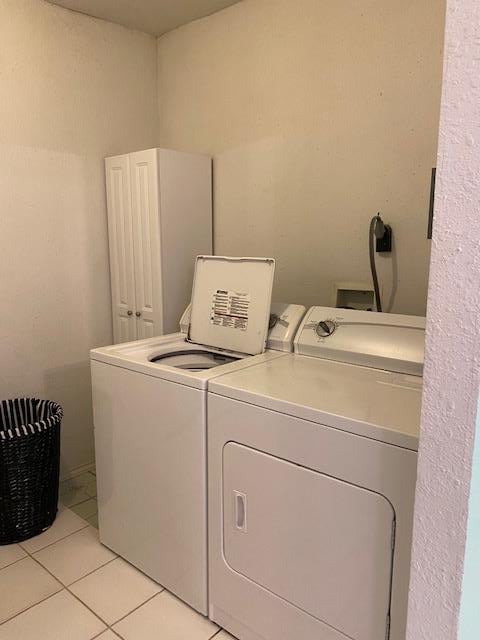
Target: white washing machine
(149, 401)
(312, 467)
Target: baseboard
(73, 473)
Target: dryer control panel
(386, 341)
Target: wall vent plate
(354, 295)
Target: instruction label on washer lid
(230, 309)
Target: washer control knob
(325, 328)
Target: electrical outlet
(384, 244)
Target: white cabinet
(159, 206)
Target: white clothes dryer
(312, 467)
(149, 401)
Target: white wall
(451, 377)
(72, 90)
(319, 114)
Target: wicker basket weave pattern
(29, 467)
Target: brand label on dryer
(230, 309)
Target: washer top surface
(173, 358)
(369, 402)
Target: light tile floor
(80, 495)
(65, 585)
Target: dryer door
(324, 545)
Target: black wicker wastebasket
(29, 467)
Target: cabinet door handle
(129, 312)
(138, 314)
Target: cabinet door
(146, 235)
(120, 235)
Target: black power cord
(377, 230)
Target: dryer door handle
(240, 511)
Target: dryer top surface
(370, 402)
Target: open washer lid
(231, 300)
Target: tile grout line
(63, 586)
(10, 564)
(87, 524)
(32, 553)
(31, 606)
(163, 590)
(76, 504)
(69, 505)
(90, 572)
(108, 626)
(102, 632)
(73, 478)
(79, 488)
(136, 608)
(66, 588)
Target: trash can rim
(29, 428)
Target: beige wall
(318, 114)
(72, 90)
